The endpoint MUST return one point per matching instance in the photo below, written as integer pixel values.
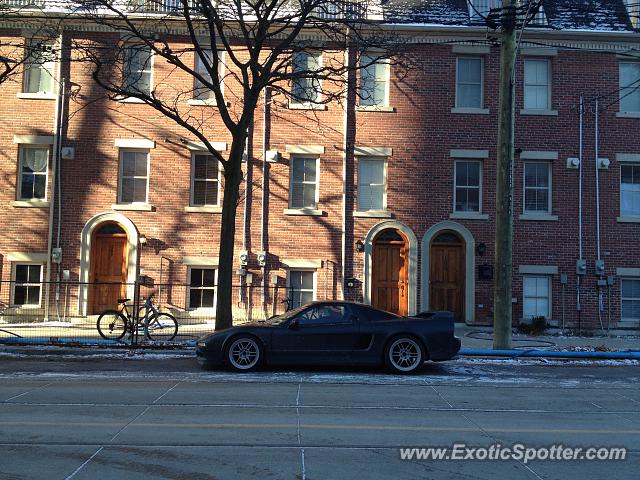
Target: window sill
(36, 96)
(202, 103)
(313, 212)
(307, 106)
(130, 100)
(30, 204)
(372, 214)
(375, 108)
(133, 207)
(203, 209)
(628, 114)
(544, 217)
(548, 113)
(628, 219)
(472, 111)
(469, 216)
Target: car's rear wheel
(244, 353)
(404, 354)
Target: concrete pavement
(163, 418)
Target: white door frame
(85, 254)
(412, 276)
(469, 260)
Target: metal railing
(72, 313)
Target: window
(324, 315)
(371, 184)
(34, 163)
(304, 182)
(201, 92)
(481, 8)
(537, 187)
(134, 176)
(537, 91)
(28, 284)
(630, 190)
(630, 298)
(39, 68)
(537, 296)
(469, 83)
(301, 287)
(202, 288)
(633, 8)
(205, 180)
(137, 69)
(467, 191)
(306, 88)
(374, 81)
(630, 87)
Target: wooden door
(446, 276)
(109, 269)
(390, 274)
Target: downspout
(580, 155)
(343, 232)
(597, 155)
(263, 229)
(54, 168)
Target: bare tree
(33, 48)
(268, 45)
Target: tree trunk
(231, 194)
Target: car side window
(324, 315)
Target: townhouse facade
(389, 201)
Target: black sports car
(334, 333)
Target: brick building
(405, 222)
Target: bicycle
(158, 326)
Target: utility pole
(502, 307)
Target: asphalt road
(153, 417)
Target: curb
(625, 355)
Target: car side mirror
(294, 324)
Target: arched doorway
(109, 267)
(447, 273)
(390, 272)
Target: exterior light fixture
(359, 246)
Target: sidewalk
(481, 338)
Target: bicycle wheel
(161, 328)
(112, 325)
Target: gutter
(54, 169)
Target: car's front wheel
(244, 354)
(404, 354)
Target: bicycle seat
(123, 300)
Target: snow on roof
(583, 15)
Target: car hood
(236, 329)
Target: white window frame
(549, 193)
(128, 45)
(319, 98)
(14, 284)
(549, 297)
(386, 80)
(455, 185)
(120, 176)
(315, 282)
(623, 90)
(633, 299)
(317, 182)
(470, 57)
(193, 179)
(624, 213)
(221, 72)
(214, 288)
(21, 149)
(385, 161)
(48, 67)
(549, 83)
